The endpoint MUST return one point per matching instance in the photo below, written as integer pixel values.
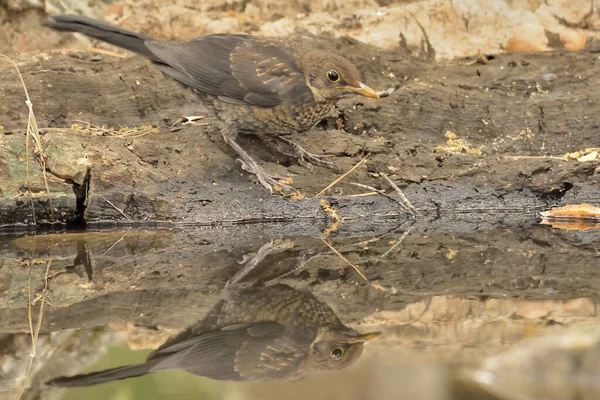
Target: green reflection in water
(169, 384)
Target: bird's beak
(363, 90)
(366, 337)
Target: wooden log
(456, 123)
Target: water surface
(452, 300)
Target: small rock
(549, 77)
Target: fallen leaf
(581, 226)
(590, 154)
(573, 211)
(580, 217)
(451, 253)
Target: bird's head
(335, 349)
(331, 77)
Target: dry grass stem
(584, 155)
(115, 207)
(398, 242)
(407, 203)
(34, 332)
(402, 205)
(115, 243)
(122, 132)
(338, 180)
(373, 190)
(95, 50)
(358, 271)
(33, 131)
(368, 241)
(533, 158)
(301, 266)
(272, 247)
(363, 194)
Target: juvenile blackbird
(260, 333)
(250, 85)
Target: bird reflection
(253, 333)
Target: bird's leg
(305, 157)
(272, 247)
(248, 164)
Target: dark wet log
(515, 105)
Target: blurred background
(452, 28)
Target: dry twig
(402, 205)
(358, 271)
(338, 180)
(34, 332)
(115, 207)
(404, 235)
(407, 203)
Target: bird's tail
(108, 375)
(108, 33)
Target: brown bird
(250, 85)
(259, 333)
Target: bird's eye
(337, 353)
(333, 76)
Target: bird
(272, 332)
(269, 87)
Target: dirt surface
(499, 126)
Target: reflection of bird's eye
(333, 76)
(337, 353)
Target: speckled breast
(280, 120)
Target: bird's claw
(267, 249)
(270, 182)
(306, 158)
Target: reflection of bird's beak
(363, 90)
(366, 337)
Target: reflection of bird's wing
(280, 358)
(239, 352)
(237, 68)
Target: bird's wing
(236, 68)
(278, 358)
(234, 353)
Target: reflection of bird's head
(335, 349)
(331, 77)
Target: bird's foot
(272, 183)
(252, 260)
(306, 158)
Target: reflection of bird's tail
(109, 375)
(102, 31)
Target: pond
(499, 307)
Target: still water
(465, 311)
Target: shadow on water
(466, 311)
